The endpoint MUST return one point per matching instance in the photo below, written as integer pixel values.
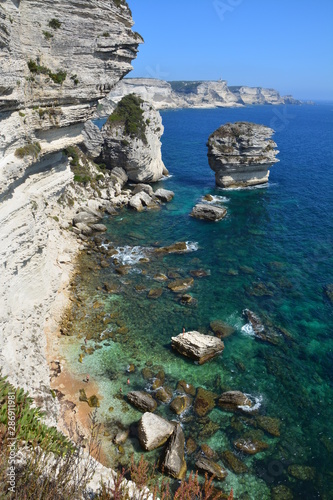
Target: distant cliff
(197, 94)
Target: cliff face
(201, 94)
(132, 140)
(57, 59)
(241, 154)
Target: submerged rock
(142, 400)
(183, 386)
(233, 463)
(197, 346)
(180, 404)
(249, 446)
(269, 424)
(211, 468)
(181, 284)
(221, 329)
(154, 431)
(234, 401)
(179, 247)
(204, 402)
(282, 492)
(208, 212)
(302, 472)
(241, 154)
(173, 462)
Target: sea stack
(132, 140)
(241, 154)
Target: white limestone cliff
(57, 59)
(183, 94)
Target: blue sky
(283, 44)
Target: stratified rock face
(154, 431)
(58, 58)
(189, 94)
(241, 154)
(132, 140)
(173, 462)
(197, 346)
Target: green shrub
(37, 69)
(47, 35)
(106, 34)
(31, 149)
(58, 77)
(75, 79)
(54, 24)
(129, 114)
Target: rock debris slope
(57, 59)
(241, 154)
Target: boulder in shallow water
(180, 404)
(142, 400)
(181, 284)
(173, 462)
(143, 187)
(164, 194)
(164, 394)
(234, 401)
(211, 468)
(249, 446)
(154, 431)
(208, 212)
(179, 247)
(197, 346)
(265, 334)
(183, 386)
(282, 492)
(141, 200)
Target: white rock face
(241, 154)
(154, 431)
(140, 158)
(197, 346)
(51, 78)
(205, 94)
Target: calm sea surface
(273, 255)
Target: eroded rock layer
(241, 154)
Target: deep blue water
(277, 238)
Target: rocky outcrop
(196, 346)
(154, 431)
(208, 212)
(234, 401)
(55, 65)
(241, 154)
(132, 140)
(173, 463)
(192, 94)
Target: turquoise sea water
(273, 255)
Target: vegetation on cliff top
(130, 114)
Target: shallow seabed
(272, 254)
